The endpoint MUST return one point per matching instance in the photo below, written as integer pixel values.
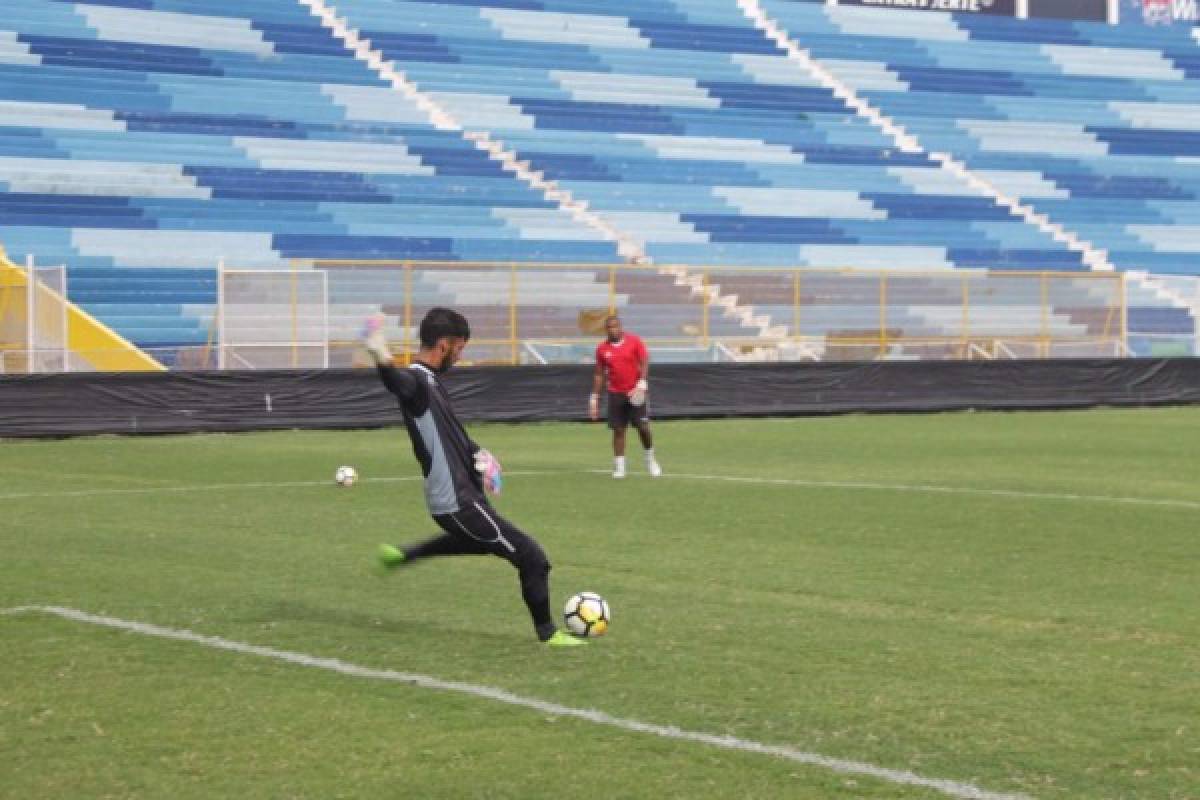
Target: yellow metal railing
(520, 310)
(831, 313)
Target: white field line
(1016, 494)
(963, 490)
(218, 487)
(951, 788)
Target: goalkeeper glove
(638, 395)
(375, 341)
(488, 467)
(594, 406)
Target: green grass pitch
(1005, 601)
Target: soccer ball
(345, 476)
(587, 614)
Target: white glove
(638, 395)
(375, 341)
(594, 406)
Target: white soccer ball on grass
(587, 614)
(345, 476)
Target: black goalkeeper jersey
(441, 445)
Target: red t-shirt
(623, 361)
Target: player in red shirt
(623, 356)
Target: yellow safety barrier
(92, 345)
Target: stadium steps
(965, 88)
(627, 245)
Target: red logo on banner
(1157, 12)
(1166, 12)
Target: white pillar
(325, 318)
(221, 313)
(30, 314)
(66, 319)
(1196, 319)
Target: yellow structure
(91, 343)
(831, 314)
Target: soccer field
(963, 605)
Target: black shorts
(622, 413)
(479, 529)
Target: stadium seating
(681, 124)
(1094, 126)
(141, 141)
(1098, 127)
(140, 145)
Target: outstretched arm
(400, 382)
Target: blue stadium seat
(141, 137)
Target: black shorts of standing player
(622, 413)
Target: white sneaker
(619, 472)
(653, 468)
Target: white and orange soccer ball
(345, 476)
(587, 614)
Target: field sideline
(1001, 604)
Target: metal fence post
(406, 356)
(883, 337)
(221, 313)
(512, 313)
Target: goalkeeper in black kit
(458, 472)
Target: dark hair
(440, 323)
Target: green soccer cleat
(390, 557)
(564, 639)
